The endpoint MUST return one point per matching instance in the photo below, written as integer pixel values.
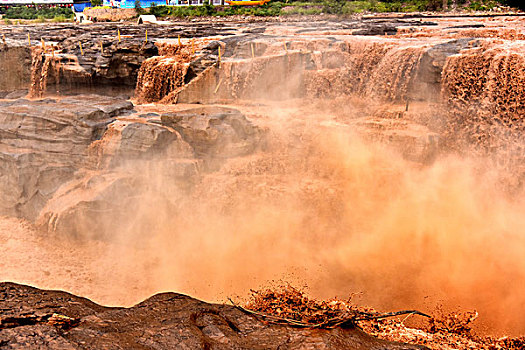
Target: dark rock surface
(31, 318)
(118, 62)
(427, 84)
(15, 94)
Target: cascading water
(483, 90)
(161, 75)
(366, 178)
(44, 66)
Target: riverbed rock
(215, 132)
(16, 94)
(143, 140)
(413, 141)
(43, 319)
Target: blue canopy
(79, 7)
(131, 3)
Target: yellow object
(285, 48)
(219, 54)
(217, 88)
(193, 46)
(146, 35)
(29, 39)
(81, 50)
(179, 40)
(253, 53)
(43, 44)
(118, 32)
(101, 47)
(247, 3)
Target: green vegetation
(515, 3)
(60, 18)
(273, 8)
(314, 7)
(270, 9)
(40, 13)
(138, 8)
(351, 7)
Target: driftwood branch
(271, 317)
(368, 317)
(334, 322)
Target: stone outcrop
(427, 84)
(43, 142)
(142, 157)
(102, 60)
(69, 163)
(40, 319)
(78, 155)
(214, 131)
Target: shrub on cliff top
(520, 4)
(42, 13)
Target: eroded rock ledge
(68, 162)
(31, 318)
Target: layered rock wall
(43, 143)
(75, 164)
(15, 65)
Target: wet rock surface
(40, 319)
(103, 58)
(428, 80)
(95, 54)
